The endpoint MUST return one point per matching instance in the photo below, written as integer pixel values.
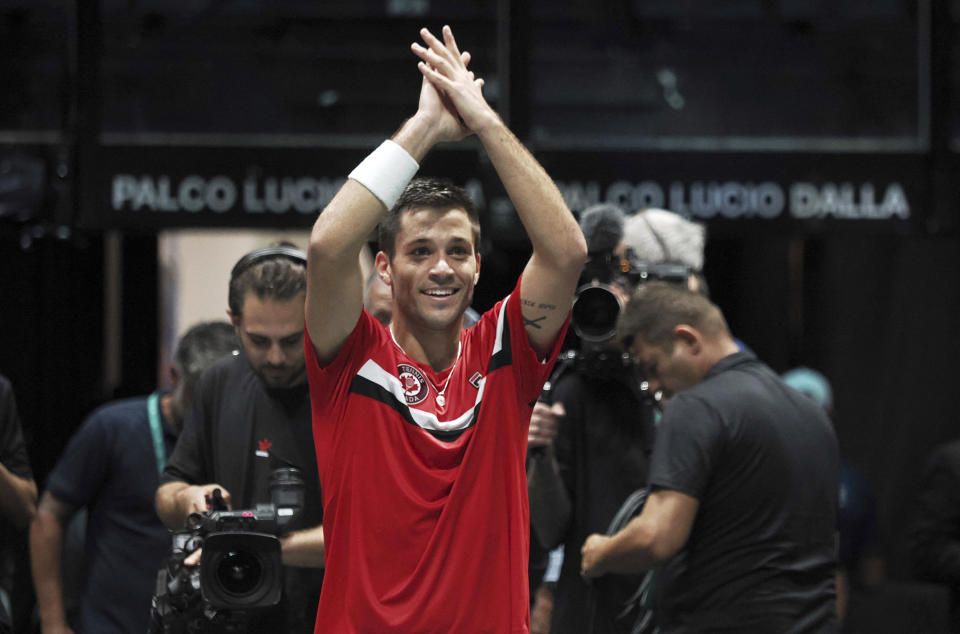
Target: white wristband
(386, 172)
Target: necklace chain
(441, 399)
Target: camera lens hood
(241, 570)
(595, 312)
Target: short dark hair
(281, 278)
(200, 346)
(430, 193)
(655, 308)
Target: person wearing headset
(250, 415)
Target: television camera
(240, 568)
(597, 305)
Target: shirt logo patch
(263, 448)
(414, 385)
(475, 380)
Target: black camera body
(240, 568)
(597, 306)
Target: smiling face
(433, 270)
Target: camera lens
(595, 313)
(239, 572)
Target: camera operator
(251, 415)
(590, 447)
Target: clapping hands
(451, 95)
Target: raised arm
(334, 280)
(559, 248)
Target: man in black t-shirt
(743, 481)
(250, 415)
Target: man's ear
(234, 319)
(689, 337)
(476, 276)
(174, 375)
(382, 265)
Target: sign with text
(141, 187)
(785, 190)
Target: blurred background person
(660, 236)
(860, 564)
(111, 467)
(378, 299)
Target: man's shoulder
(692, 406)
(367, 334)
(734, 376)
(119, 411)
(227, 369)
(491, 332)
(736, 365)
(115, 420)
(233, 363)
(225, 390)
(108, 428)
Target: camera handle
(218, 503)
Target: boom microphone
(602, 226)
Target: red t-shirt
(426, 522)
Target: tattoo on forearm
(534, 322)
(527, 302)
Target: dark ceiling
(611, 72)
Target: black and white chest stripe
(382, 384)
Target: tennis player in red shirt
(420, 427)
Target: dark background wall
(744, 91)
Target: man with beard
(251, 415)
